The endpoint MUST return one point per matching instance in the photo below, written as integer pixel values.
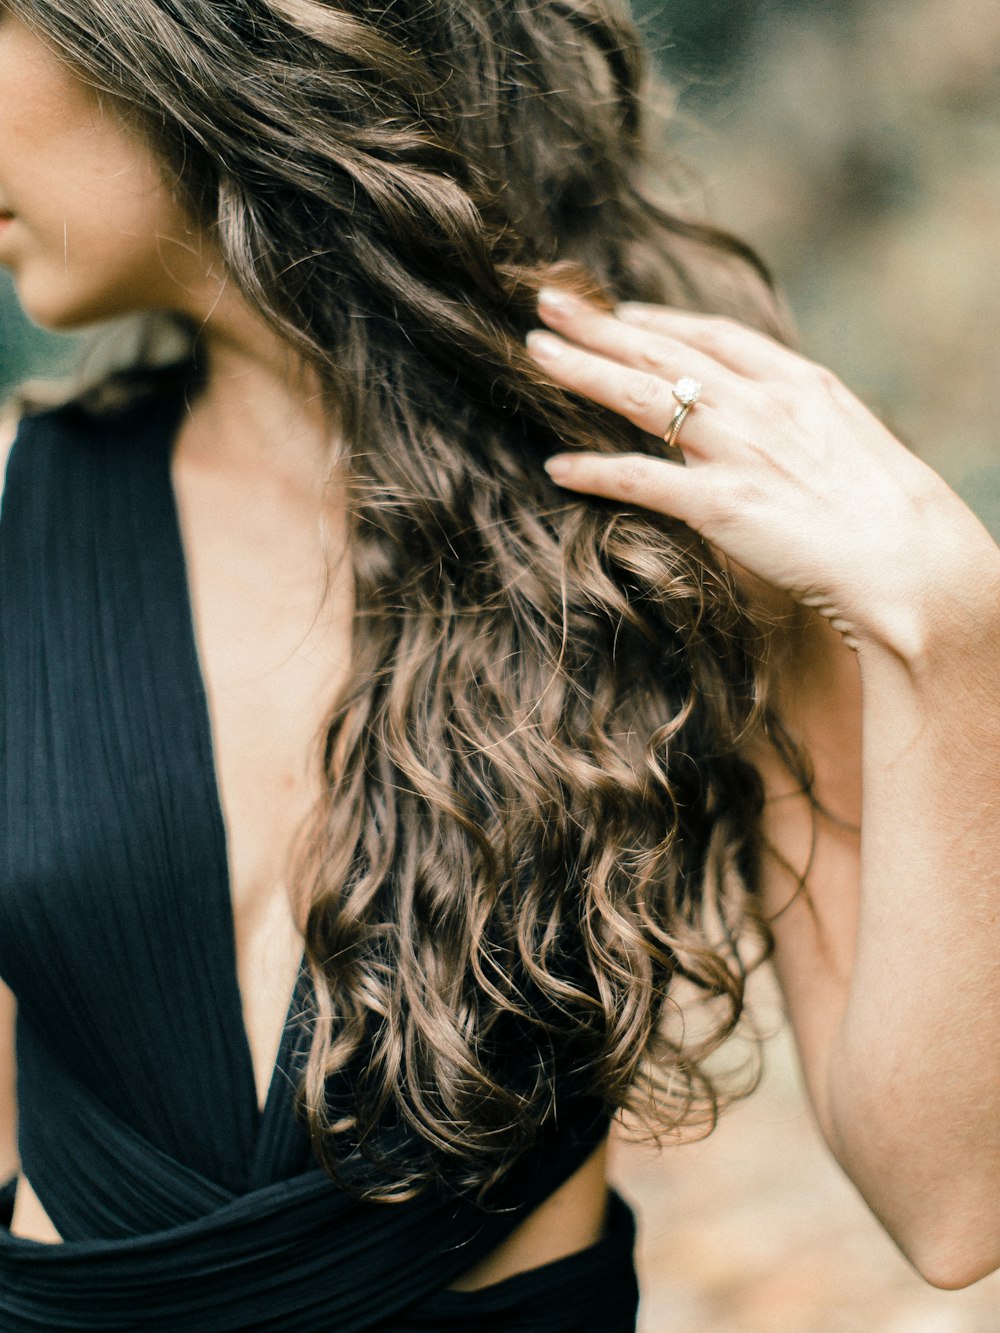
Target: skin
(112, 240)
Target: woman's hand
(889, 963)
(786, 472)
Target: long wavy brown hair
(539, 820)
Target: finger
(652, 483)
(743, 350)
(587, 324)
(644, 399)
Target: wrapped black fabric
(302, 1255)
(182, 1205)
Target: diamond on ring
(687, 391)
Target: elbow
(952, 1267)
(953, 1240)
(946, 1225)
(937, 1198)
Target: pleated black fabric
(182, 1205)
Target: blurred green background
(24, 349)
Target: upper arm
(811, 864)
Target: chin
(57, 311)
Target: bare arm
(889, 964)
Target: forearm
(892, 978)
(914, 1074)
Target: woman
(355, 766)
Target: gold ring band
(686, 393)
(674, 429)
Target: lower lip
(5, 220)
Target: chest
(271, 611)
(272, 627)
(168, 660)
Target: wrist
(952, 615)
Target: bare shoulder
(8, 429)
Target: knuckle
(784, 400)
(654, 359)
(732, 498)
(718, 331)
(632, 474)
(801, 394)
(642, 393)
(825, 379)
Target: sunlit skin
(110, 238)
(791, 478)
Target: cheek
(96, 232)
(97, 257)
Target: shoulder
(15, 424)
(54, 431)
(8, 431)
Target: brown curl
(539, 821)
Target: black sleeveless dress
(182, 1206)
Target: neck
(260, 409)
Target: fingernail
(629, 313)
(543, 345)
(557, 467)
(555, 302)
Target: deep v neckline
(192, 672)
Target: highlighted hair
(539, 820)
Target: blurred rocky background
(856, 144)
